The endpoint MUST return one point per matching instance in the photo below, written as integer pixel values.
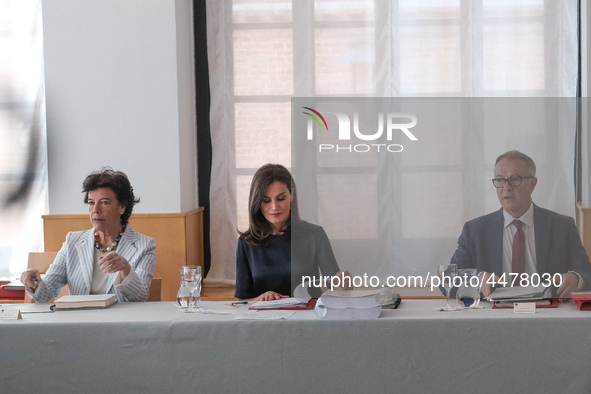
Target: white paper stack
(280, 304)
(350, 304)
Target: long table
(154, 348)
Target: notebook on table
(91, 301)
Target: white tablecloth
(153, 347)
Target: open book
(85, 301)
(506, 297)
(528, 293)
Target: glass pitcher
(183, 296)
(185, 299)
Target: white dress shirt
(100, 279)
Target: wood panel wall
(179, 240)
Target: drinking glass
(191, 280)
(447, 272)
(468, 294)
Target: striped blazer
(74, 263)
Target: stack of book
(350, 304)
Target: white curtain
(263, 53)
(23, 152)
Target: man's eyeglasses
(513, 181)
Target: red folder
(583, 299)
(553, 304)
(12, 294)
(310, 305)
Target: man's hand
(485, 286)
(570, 281)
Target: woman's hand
(115, 263)
(31, 279)
(346, 280)
(270, 296)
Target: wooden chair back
(155, 290)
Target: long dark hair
(118, 182)
(258, 227)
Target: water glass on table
(446, 273)
(468, 294)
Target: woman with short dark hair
(264, 263)
(118, 182)
(110, 258)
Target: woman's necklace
(97, 242)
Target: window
(267, 52)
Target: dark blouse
(269, 267)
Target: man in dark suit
(522, 237)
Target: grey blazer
(73, 266)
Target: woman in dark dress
(264, 264)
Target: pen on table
(237, 303)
